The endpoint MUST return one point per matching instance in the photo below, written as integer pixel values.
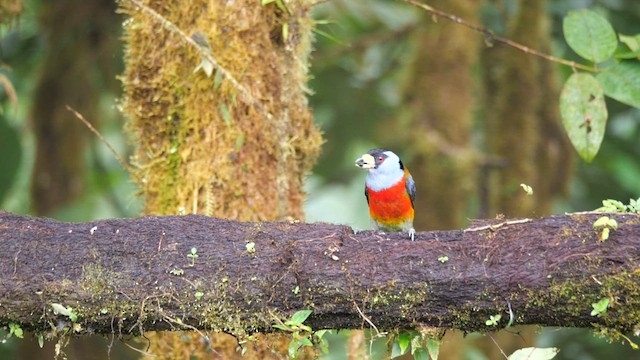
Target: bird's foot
(412, 234)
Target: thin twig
(499, 348)
(146, 354)
(494, 227)
(492, 36)
(104, 141)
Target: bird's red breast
(391, 207)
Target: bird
(390, 191)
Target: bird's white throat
(386, 174)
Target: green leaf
(282, 327)
(493, 320)
(416, 342)
(61, 309)
(293, 349)
(533, 353)
(602, 221)
(589, 35)
(300, 316)
(404, 339)
(395, 350)
(621, 81)
(224, 112)
(281, 6)
(217, 80)
(41, 341)
(206, 66)
(422, 354)
(612, 205)
(433, 346)
(632, 41)
(622, 54)
(600, 307)
(584, 114)
(305, 342)
(239, 143)
(16, 330)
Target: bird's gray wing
(411, 189)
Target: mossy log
(141, 274)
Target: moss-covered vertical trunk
(437, 117)
(203, 144)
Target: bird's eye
(380, 158)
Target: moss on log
(136, 275)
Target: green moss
(574, 297)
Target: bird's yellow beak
(366, 161)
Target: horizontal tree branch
(135, 275)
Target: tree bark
(134, 275)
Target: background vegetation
(470, 118)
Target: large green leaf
(532, 353)
(589, 35)
(584, 113)
(621, 81)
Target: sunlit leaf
(404, 339)
(206, 66)
(632, 41)
(584, 114)
(600, 307)
(589, 35)
(602, 221)
(533, 353)
(60, 309)
(433, 347)
(621, 81)
(293, 349)
(300, 316)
